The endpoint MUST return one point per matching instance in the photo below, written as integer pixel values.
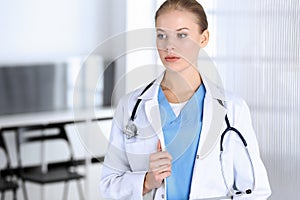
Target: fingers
(154, 179)
(164, 175)
(160, 167)
(161, 161)
(158, 178)
(160, 155)
(157, 164)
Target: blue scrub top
(181, 135)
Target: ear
(204, 38)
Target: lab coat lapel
(152, 109)
(212, 126)
(213, 118)
(153, 115)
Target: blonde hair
(185, 5)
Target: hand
(159, 168)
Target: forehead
(176, 19)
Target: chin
(176, 67)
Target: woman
(167, 146)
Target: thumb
(158, 146)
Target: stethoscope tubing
(233, 193)
(234, 130)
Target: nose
(167, 45)
(170, 47)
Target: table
(12, 121)
(16, 122)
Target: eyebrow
(184, 28)
(180, 29)
(159, 29)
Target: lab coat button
(162, 196)
(197, 156)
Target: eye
(161, 36)
(181, 35)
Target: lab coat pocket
(138, 153)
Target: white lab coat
(127, 160)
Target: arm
(118, 181)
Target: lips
(172, 58)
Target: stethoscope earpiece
(249, 191)
(238, 193)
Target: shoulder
(232, 99)
(128, 101)
(217, 91)
(237, 107)
(131, 97)
(125, 106)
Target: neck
(180, 86)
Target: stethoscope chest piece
(130, 130)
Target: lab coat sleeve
(118, 181)
(262, 188)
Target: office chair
(64, 172)
(8, 180)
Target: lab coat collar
(153, 90)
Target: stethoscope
(233, 192)
(131, 131)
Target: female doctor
(168, 139)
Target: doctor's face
(179, 39)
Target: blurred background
(51, 69)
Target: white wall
(141, 62)
(35, 30)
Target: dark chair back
(58, 132)
(44, 172)
(8, 180)
(4, 148)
